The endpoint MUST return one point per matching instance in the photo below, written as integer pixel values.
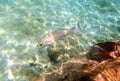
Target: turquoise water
(24, 22)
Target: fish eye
(40, 44)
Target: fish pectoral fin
(50, 42)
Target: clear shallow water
(24, 22)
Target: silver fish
(54, 36)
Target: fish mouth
(38, 46)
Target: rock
(104, 51)
(90, 71)
(105, 68)
(63, 50)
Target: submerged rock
(105, 68)
(90, 71)
(104, 51)
(64, 50)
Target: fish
(54, 36)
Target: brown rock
(104, 51)
(100, 66)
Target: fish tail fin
(77, 29)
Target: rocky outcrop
(105, 68)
